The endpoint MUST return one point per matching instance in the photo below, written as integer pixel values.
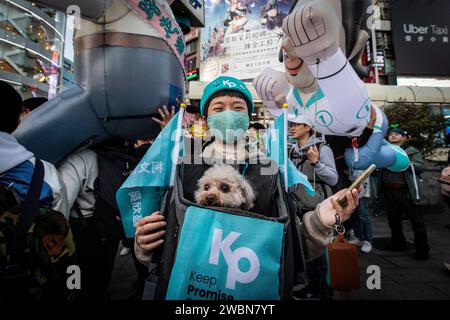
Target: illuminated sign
(192, 75)
(421, 37)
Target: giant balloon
(325, 88)
(129, 60)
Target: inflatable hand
(313, 29)
(297, 71)
(272, 87)
(377, 150)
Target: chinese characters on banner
(160, 17)
(241, 37)
(136, 205)
(153, 167)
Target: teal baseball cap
(225, 83)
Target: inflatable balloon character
(355, 23)
(325, 88)
(129, 60)
(272, 87)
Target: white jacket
(79, 172)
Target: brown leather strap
(120, 39)
(395, 185)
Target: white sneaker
(125, 251)
(366, 247)
(352, 238)
(355, 241)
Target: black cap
(10, 108)
(193, 109)
(257, 126)
(400, 131)
(33, 103)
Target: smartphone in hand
(355, 185)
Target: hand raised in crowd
(328, 208)
(165, 115)
(444, 180)
(313, 154)
(373, 118)
(150, 231)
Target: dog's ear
(248, 193)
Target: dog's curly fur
(223, 186)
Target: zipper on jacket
(175, 234)
(415, 182)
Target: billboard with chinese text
(241, 37)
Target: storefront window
(191, 47)
(192, 64)
(20, 23)
(8, 27)
(5, 66)
(20, 61)
(12, 56)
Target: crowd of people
(83, 186)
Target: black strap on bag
(151, 290)
(29, 211)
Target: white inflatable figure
(305, 97)
(272, 87)
(326, 89)
(347, 112)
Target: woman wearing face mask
(227, 104)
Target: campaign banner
(223, 256)
(241, 37)
(158, 14)
(140, 195)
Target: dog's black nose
(210, 200)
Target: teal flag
(221, 257)
(276, 146)
(274, 140)
(140, 194)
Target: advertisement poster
(421, 37)
(241, 37)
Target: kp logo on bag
(226, 257)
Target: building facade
(31, 47)
(193, 54)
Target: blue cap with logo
(224, 83)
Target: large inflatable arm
(124, 71)
(312, 29)
(340, 105)
(354, 16)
